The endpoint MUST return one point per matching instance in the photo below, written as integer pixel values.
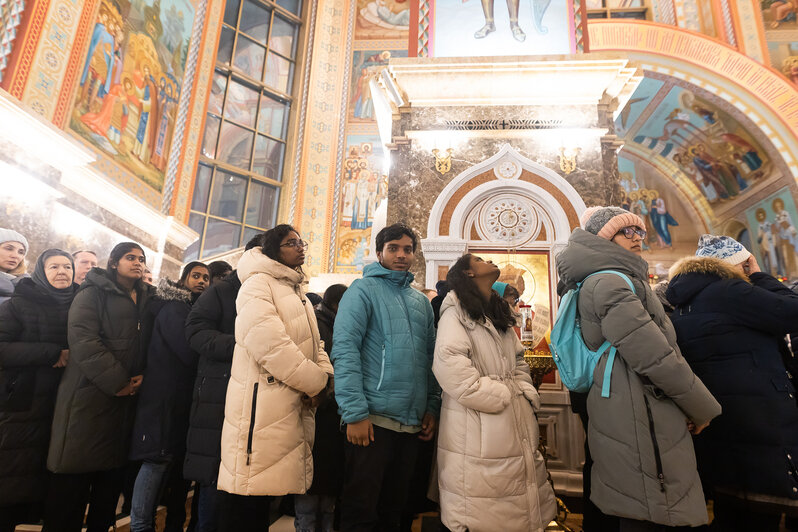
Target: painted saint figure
(767, 249)
(786, 236)
(660, 220)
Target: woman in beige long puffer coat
(279, 373)
(490, 474)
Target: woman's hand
(62, 359)
(695, 431)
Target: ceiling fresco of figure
(724, 159)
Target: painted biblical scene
(366, 65)
(363, 190)
(529, 274)
(131, 80)
(717, 153)
(673, 228)
(774, 238)
(382, 19)
(640, 100)
(466, 28)
(779, 14)
(784, 55)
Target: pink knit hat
(605, 222)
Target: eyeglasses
(631, 231)
(299, 244)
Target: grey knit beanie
(9, 235)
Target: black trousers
(631, 525)
(69, 494)
(239, 513)
(17, 514)
(732, 515)
(376, 481)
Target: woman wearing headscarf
(731, 319)
(162, 413)
(33, 353)
(95, 404)
(490, 472)
(644, 467)
(13, 248)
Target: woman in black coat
(731, 326)
(95, 403)
(33, 352)
(162, 413)
(315, 510)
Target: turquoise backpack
(573, 358)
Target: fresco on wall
(774, 236)
(779, 14)
(784, 55)
(382, 19)
(779, 17)
(672, 231)
(366, 64)
(130, 84)
(642, 96)
(711, 147)
(467, 28)
(363, 188)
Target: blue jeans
(314, 512)
(146, 493)
(208, 509)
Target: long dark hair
(187, 271)
(497, 310)
(273, 238)
(119, 251)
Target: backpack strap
(605, 385)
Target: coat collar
(399, 278)
(587, 253)
(254, 261)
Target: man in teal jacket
(383, 342)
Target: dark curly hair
(497, 310)
(272, 239)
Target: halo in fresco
(131, 80)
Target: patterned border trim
(68, 83)
(31, 41)
(187, 163)
(11, 15)
(728, 24)
(424, 29)
(303, 111)
(182, 110)
(339, 160)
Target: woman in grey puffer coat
(644, 467)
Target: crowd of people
(356, 403)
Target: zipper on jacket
(657, 458)
(252, 422)
(382, 368)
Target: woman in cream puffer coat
(491, 474)
(278, 364)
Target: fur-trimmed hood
(691, 275)
(171, 291)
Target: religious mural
(382, 19)
(781, 33)
(774, 237)
(131, 80)
(641, 98)
(672, 231)
(467, 28)
(366, 65)
(363, 188)
(710, 147)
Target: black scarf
(63, 296)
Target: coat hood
(399, 278)
(8, 282)
(170, 291)
(99, 277)
(254, 261)
(587, 253)
(691, 275)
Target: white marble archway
(507, 165)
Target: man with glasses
(383, 343)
